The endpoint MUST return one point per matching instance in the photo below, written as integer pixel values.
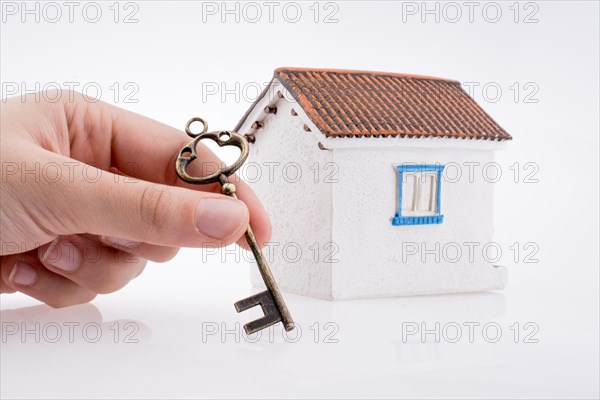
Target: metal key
(271, 300)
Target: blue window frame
(419, 195)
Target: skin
(97, 181)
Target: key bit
(266, 302)
(271, 301)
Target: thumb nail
(220, 218)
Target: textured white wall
(300, 211)
(370, 257)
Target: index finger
(147, 149)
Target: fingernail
(127, 245)
(219, 218)
(62, 254)
(22, 274)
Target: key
(271, 301)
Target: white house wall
(300, 211)
(370, 262)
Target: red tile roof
(345, 103)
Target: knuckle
(156, 203)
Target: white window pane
(427, 192)
(434, 183)
(408, 192)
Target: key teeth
(261, 299)
(261, 323)
(265, 300)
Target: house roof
(344, 103)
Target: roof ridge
(357, 71)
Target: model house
(364, 176)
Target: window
(418, 195)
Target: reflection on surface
(81, 324)
(348, 340)
(198, 348)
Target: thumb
(118, 206)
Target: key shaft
(229, 189)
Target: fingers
(26, 274)
(70, 270)
(146, 149)
(99, 268)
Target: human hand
(89, 193)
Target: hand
(89, 193)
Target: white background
(174, 51)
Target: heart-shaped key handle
(222, 138)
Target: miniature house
(364, 177)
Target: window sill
(422, 220)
